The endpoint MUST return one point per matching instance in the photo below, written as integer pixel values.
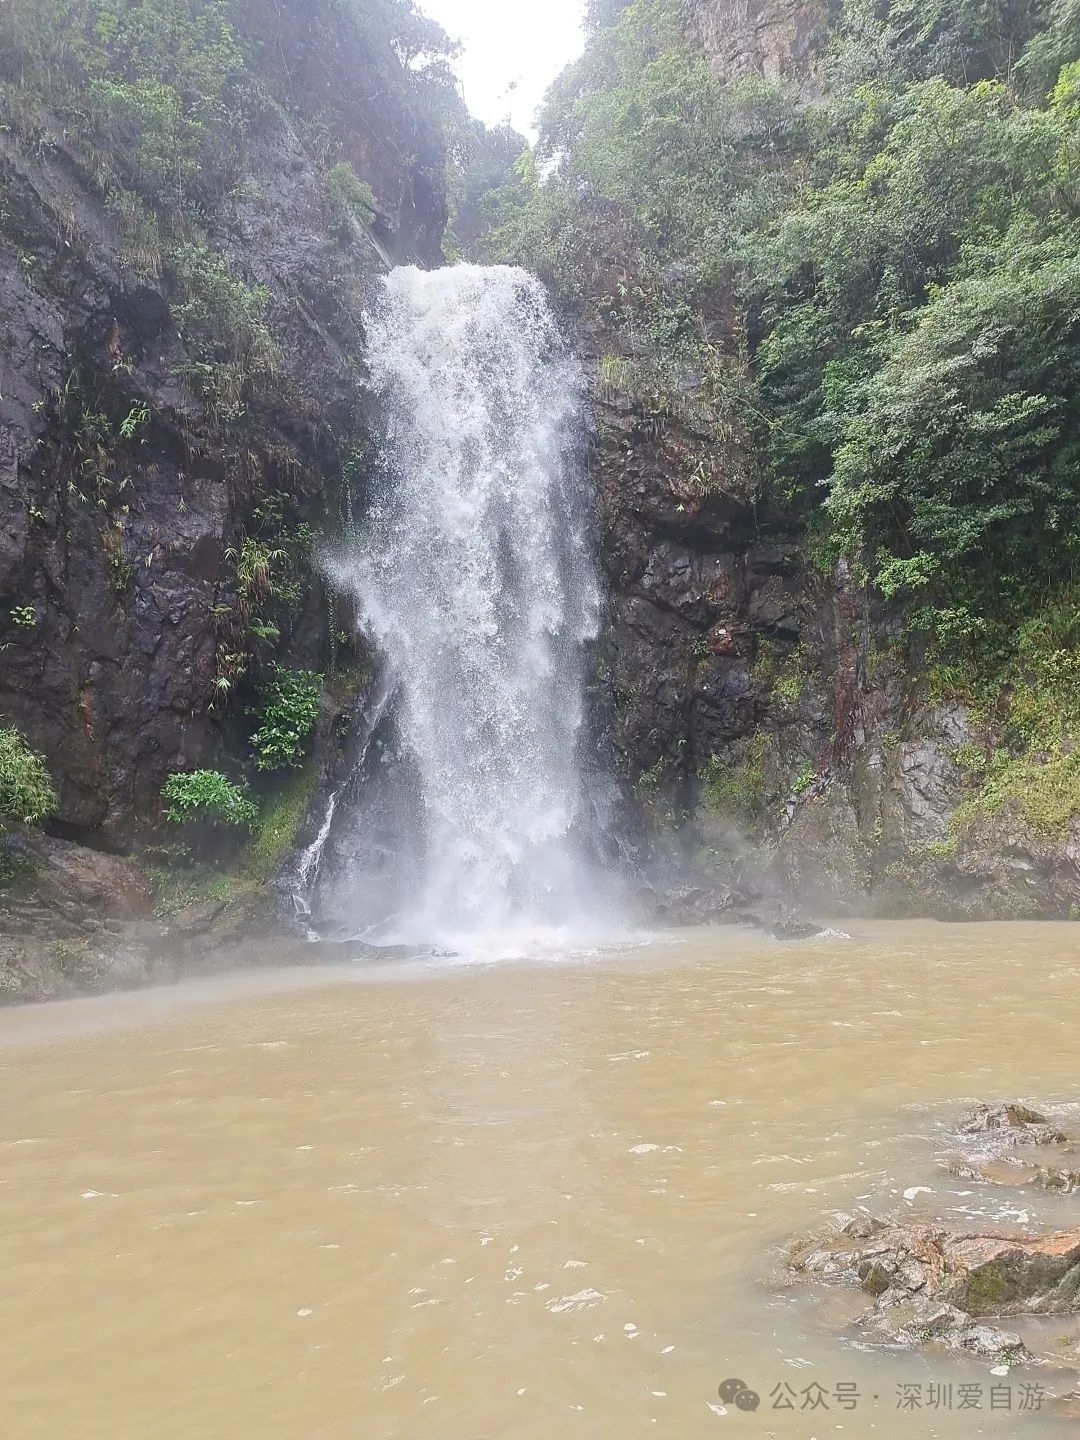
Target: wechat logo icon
(738, 1393)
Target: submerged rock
(1010, 1144)
(1021, 1171)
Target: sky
(511, 52)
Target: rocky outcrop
(786, 711)
(784, 706)
(128, 574)
(767, 37)
(129, 485)
(925, 1284)
(928, 1286)
(697, 580)
(164, 485)
(1012, 1145)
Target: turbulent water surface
(502, 1202)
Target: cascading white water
(475, 579)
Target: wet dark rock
(133, 589)
(1009, 1144)
(701, 901)
(697, 903)
(1011, 1123)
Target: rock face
(786, 709)
(183, 415)
(697, 583)
(127, 492)
(127, 498)
(81, 881)
(770, 37)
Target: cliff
(193, 200)
(763, 37)
(854, 743)
(177, 408)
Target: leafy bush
(349, 198)
(735, 790)
(209, 796)
(290, 707)
(878, 292)
(155, 90)
(224, 322)
(26, 791)
(258, 567)
(219, 308)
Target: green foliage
(279, 821)
(135, 420)
(142, 246)
(643, 153)
(181, 881)
(1026, 705)
(905, 254)
(1044, 791)
(289, 709)
(26, 791)
(350, 199)
(224, 322)
(803, 781)
(258, 565)
(157, 91)
(25, 616)
(482, 160)
(207, 795)
(735, 790)
(918, 369)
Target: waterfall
(475, 580)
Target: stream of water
(504, 1202)
(474, 578)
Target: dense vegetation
(163, 130)
(854, 294)
(904, 252)
(26, 792)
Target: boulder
(1010, 1123)
(929, 1285)
(67, 876)
(925, 1283)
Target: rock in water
(1011, 1123)
(929, 1285)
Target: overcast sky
(511, 51)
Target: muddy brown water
(510, 1201)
